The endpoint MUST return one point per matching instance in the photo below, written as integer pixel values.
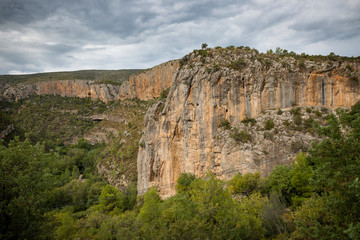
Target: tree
(26, 174)
(204, 46)
(111, 199)
(301, 174)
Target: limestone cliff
(145, 85)
(214, 85)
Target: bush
(184, 182)
(225, 124)
(287, 123)
(279, 112)
(164, 93)
(244, 184)
(246, 121)
(238, 64)
(296, 111)
(242, 136)
(298, 120)
(269, 135)
(298, 146)
(269, 124)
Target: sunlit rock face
(182, 134)
(144, 86)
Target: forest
(53, 191)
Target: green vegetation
(247, 120)
(53, 195)
(224, 123)
(238, 64)
(242, 136)
(99, 76)
(269, 124)
(164, 93)
(55, 119)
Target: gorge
(239, 88)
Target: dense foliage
(58, 195)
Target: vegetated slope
(232, 84)
(54, 119)
(121, 129)
(58, 121)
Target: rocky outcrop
(7, 131)
(183, 134)
(149, 84)
(144, 86)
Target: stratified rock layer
(183, 134)
(144, 86)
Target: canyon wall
(182, 134)
(144, 86)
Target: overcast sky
(66, 35)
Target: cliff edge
(145, 85)
(215, 86)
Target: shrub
(269, 124)
(298, 146)
(296, 111)
(302, 65)
(216, 68)
(269, 135)
(244, 184)
(267, 62)
(242, 136)
(308, 110)
(350, 68)
(298, 120)
(324, 110)
(184, 60)
(238, 64)
(225, 124)
(318, 114)
(308, 123)
(164, 93)
(246, 121)
(286, 123)
(279, 112)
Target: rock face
(183, 134)
(144, 86)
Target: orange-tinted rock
(182, 134)
(144, 86)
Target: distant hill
(101, 76)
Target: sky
(67, 35)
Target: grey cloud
(72, 34)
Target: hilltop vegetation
(99, 76)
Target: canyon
(218, 104)
(145, 85)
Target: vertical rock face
(182, 134)
(148, 84)
(144, 86)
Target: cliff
(144, 86)
(182, 134)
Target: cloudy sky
(65, 35)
